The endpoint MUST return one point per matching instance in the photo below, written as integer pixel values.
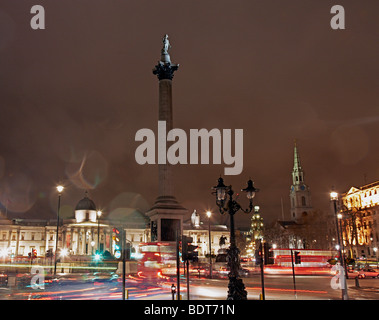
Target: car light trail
(288, 290)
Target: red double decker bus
(155, 258)
(312, 261)
(309, 257)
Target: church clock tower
(300, 195)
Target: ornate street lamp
(334, 198)
(229, 205)
(59, 189)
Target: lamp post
(236, 287)
(210, 245)
(99, 213)
(334, 198)
(59, 189)
(339, 217)
(376, 255)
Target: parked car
(368, 272)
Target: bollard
(356, 282)
(260, 296)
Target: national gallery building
(80, 237)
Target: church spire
(300, 195)
(296, 164)
(297, 172)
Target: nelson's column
(166, 215)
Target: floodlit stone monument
(166, 215)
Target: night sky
(74, 95)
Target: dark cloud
(75, 94)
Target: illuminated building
(198, 230)
(78, 237)
(359, 220)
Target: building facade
(79, 238)
(359, 208)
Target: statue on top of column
(166, 44)
(165, 56)
(165, 69)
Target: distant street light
(209, 214)
(64, 252)
(236, 287)
(334, 198)
(59, 189)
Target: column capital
(165, 70)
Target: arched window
(303, 202)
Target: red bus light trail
(288, 290)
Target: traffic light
(193, 255)
(33, 254)
(258, 256)
(49, 253)
(185, 241)
(268, 254)
(127, 251)
(117, 243)
(297, 257)
(188, 250)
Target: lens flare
(89, 172)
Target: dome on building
(86, 204)
(85, 210)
